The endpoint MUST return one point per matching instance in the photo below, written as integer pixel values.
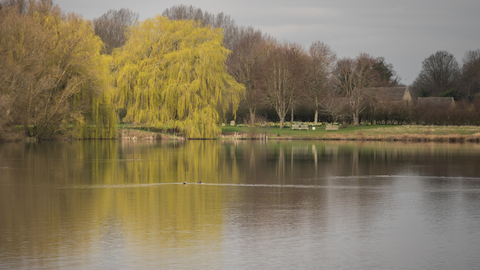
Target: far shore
(405, 133)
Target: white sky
(404, 32)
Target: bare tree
(244, 65)
(282, 76)
(337, 107)
(470, 78)
(20, 5)
(320, 64)
(352, 77)
(29, 7)
(183, 12)
(440, 73)
(229, 29)
(111, 27)
(225, 22)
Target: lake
(260, 205)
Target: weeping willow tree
(100, 122)
(172, 74)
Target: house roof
(388, 93)
(435, 101)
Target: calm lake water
(274, 205)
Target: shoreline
(451, 138)
(380, 134)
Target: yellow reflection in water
(81, 199)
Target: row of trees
(280, 75)
(441, 75)
(186, 70)
(59, 77)
(316, 78)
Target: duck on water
(199, 182)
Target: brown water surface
(274, 205)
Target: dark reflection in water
(275, 205)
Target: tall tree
(244, 65)
(387, 75)
(352, 77)
(20, 5)
(337, 107)
(51, 69)
(173, 73)
(111, 27)
(222, 21)
(440, 73)
(320, 64)
(470, 78)
(282, 76)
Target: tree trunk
(252, 117)
(355, 119)
(316, 116)
(291, 119)
(282, 120)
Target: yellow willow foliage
(76, 53)
(173, 74)
(53, 75)
(101, 123)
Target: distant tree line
(284, 77)
(442, 76)
(64, 77)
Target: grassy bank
(363, 132)
(411, 133)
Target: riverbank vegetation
(52, 75)
(188, 71)
(59, 80)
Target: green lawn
(361, 132)
(368, 132)
(355, 132)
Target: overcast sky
(404, 32)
